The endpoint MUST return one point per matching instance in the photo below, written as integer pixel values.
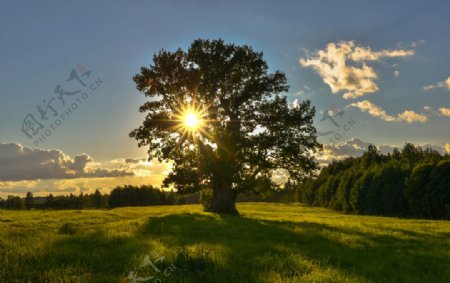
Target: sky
(376, 71)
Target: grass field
(268, 243)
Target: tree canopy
(245, 127)
(414, 182)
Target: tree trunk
(224, 200)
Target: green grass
(268, 243)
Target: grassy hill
(269, 243)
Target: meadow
(267, 243)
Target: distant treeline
(412, 182)
(120, 196)
(140, 196)
(131, 196)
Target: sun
(192, 120)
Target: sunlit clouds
(343, 66)
(408, 116)
(44, 171)
(442, 84)
(348, 69)
(18, 162)
(373, 110)
(411, 117)
(444, 111)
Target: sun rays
(191, 121)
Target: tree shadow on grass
(92, 257)
(209, 248)
(253, 248)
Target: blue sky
(41, 42)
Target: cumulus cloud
(372, 109)
(436, 112)
(444, 111)
(343, 66)
(140, 167)
(411, 117)
(442, 84)
(376, 111)
(43, 171)
(18, 162)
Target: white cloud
(44, 171)
(444, 111)
(372, 109)
(376, 111)
(411, 117)
(442, 84)
(140, 167)
(343, 67)
(23, 163)
(431, 112)
(295, 103)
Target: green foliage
(428, 190)
(361, 193)
(139, 196)
(327, 190)
(344, 190)
(418, 189)
(13, 202)
(440, 190)
(413, 182)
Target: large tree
(219, 115)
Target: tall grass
(268, 243)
